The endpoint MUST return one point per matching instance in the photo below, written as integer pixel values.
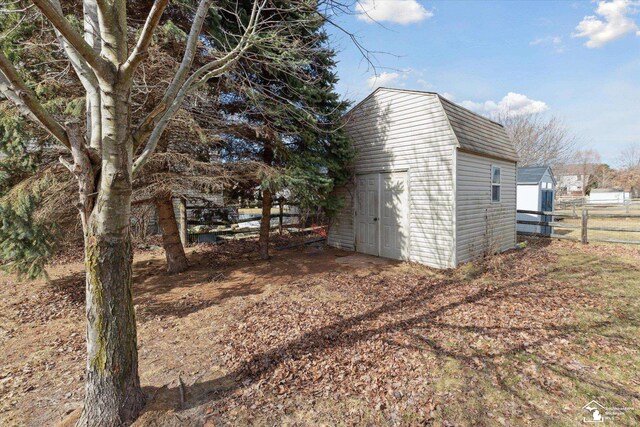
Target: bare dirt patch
(319, 336)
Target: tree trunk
(267, 203)
(113, 396)
(265, 224)
(174, 251)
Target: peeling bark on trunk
(176, 258)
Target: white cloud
(555, 41)
(383, 79)
(397, 11)
(614, 22)
(480, 107)
(425, 85)
(546, 40)
(514, 104)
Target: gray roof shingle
(531, 174)
(477, 133)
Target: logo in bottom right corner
(595, 412)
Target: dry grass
(595, 221)
(317, 336)
(633, 223)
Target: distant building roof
(607, 190)
(532, 174)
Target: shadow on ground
(510, 332)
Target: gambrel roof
(478, 134)
(474, 133)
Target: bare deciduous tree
(629, 157)
(588, 162)
(104, 167)
(538, 141)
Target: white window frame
(498, 184)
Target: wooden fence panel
(588, 226)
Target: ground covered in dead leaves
(317, 336)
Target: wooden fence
(585, 226)
(236, 228)
(576, 204)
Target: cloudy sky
(579, 60)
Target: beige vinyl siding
(408, 131)
(483, 226)
(341, 229)
(434, 141)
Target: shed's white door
(381, 215)
(367, 214)
(393, 238)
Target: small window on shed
(495, 184)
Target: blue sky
(578, 60)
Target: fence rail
(236, 228)
(576, 204)
(583, 227)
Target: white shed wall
(483, 226)
(610, 197)
(529, 199)
(404, 131)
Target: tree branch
(139, 52)
(14, 88)
(144, 129)
(84, 172)
(197, 79)
(101, 66)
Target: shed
(536, 191)
(434, 182)
(608, 196)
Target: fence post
(280, 217)
(585, 216)
(182, 220)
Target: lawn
(632, 223)
(319, 336)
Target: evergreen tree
(25, 244)
(289, 118)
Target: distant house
(536, 188)
(434, 182)
(574, 180)
(608, 196)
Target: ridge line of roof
(422, 92)
(469, 111)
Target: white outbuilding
(434, 182)
(608, 196)
(536, 191)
